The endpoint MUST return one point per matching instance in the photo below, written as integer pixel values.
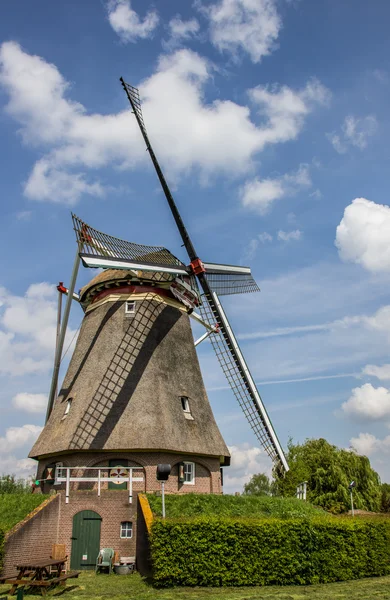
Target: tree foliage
(328, 471)
(385, 497)
(10, 485)
(259, 485)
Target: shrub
(2, 539)
(15, 507)
(191, 505)
(274, 551)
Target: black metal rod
(172, 205)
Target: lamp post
(162, 474)
(351, 486)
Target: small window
(126, 529)
(185, 404)
(129, 307)
(189, 473)
(67, 406)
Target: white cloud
(180, 31)
(126, 22)
(24, 468)
(368, 403)
(18, 437)
(213, 138)
(24, 215)
(48, 183)
(285, 236)
(259, 195)
(363, 235)
(31, 403)
(355, 132)
(251, 26)
(382, 373)
(367, 444)
(265, 237)
(28, 330)
(246, 461)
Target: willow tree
(328, 471)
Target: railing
(63, 475)
(302, 490)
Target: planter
(122, 569)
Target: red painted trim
(132, 289)
(197, 266)
(61, 288)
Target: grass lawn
(132, 587)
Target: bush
(191, 505)
(235, 552)
(2, 537)
(15, 507)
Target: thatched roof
(126, 378)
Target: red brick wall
(35, 537)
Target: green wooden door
(121, 464)
(85, 540)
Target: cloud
(28, 330)
(31, 403)
(215, 138)
(265, 237)
(127, 24)
(47, 183)
(382, 373)
(246, 461)
(285, 236)
(24, 215)
(180, 31)
(363, 235)
(24, 468)
(18, 437)
(355, 132)
(259, 195)
(250, 26)
(367, 444)
(368, 403)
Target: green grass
(133, 587)
(15, 507)
(191, 505)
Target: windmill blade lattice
(240, 380)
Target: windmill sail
(222, 280)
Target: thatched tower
(134, 382)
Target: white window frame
(58, 466)
(192, 471)
(126, 529)
(130, 311)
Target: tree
(328, 471)
(385, 499)
(259, 485)
(10, 485)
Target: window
(67, 407)
(185, 404)
(126, 529)
(189, 473)
(130, 307)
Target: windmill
(216, 280)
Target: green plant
(328, 471)
(236, 552)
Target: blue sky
(270, 119)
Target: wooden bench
(63, 578)
(13, 576)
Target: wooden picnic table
(37, 573)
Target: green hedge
(235, 552)
(2, 540)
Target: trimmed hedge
(2, 540)
(210, 505)
(236, 552)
